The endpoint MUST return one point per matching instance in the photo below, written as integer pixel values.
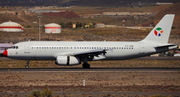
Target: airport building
(11, 27)
(52, 28)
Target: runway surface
(140, 69)
(142, 58)
(102, 68)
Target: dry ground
(110, 81)
(93, 78)
(70, 83)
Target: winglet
(161, 32)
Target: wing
(97, 54)
(97, 51)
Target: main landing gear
(85, 65)
(27, 64)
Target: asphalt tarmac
(142, 58)
(137, 69)
(103, 68)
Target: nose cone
(5, 53)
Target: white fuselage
(73, 52)
(49, 50)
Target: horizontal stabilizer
(164, 46)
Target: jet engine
(67, 60)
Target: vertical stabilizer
(161, 31)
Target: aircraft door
(141, 48)
(26, 48)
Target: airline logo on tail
(158, 31)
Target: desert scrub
(43, 93)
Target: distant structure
(52, 28)
(11, 27)
(73, 25)
(66, 14)
(100, 25)
(163, 3)
(123, 21)
(126, 13)
(115, 13)
(43, 11)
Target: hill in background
(94, 3)
(174, 9)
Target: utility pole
(39, 17)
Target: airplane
(69, 53)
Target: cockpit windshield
(14, 47)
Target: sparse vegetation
(159, 96)
(43, 93)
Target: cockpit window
(14, 47)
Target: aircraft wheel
(86, 65)
(27, 66)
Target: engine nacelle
(67, 60)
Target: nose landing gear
(27, 64)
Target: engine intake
(67, 60)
